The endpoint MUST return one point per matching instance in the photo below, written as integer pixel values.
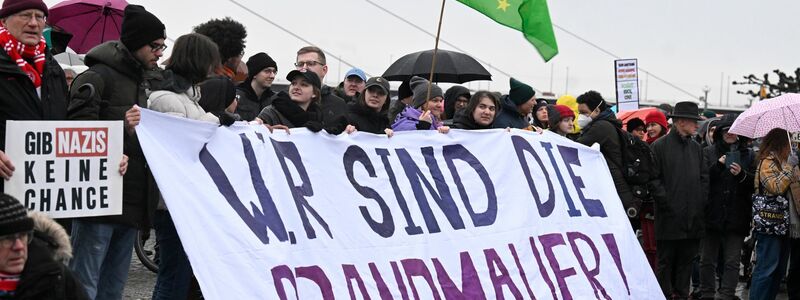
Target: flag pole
(435, 50)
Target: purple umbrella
(91, 22)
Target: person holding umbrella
(426, 112)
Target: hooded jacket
(249, 103)
(44, 275)
(178, 97)
(114, 82)
(729, 207)
(680, 188)
(604, 130)
(409, 120)
(509, 116)
(450, 98)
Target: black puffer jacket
(604, 131)
(463, 120)
(18, 98)
(111, 86)
(362, 118)
(729, 208)
(249, 103)
(44, 277)
(331, 106)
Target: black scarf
(296, 114)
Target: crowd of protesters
(691, 203)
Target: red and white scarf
(22, 53)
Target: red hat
(564, 111)
(11, 7)
(656, 116)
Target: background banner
(422, 215)
(66, 169)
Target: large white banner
(66, 169)
(422, 215)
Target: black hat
(13, 216)
(685, 110)
(634, 123)
(404, 91)
(520, 92)
(11, 7)
(311, 77)
(380, 82)
(140, 27)
(258, 63)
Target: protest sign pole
(435, 50)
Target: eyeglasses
(40, 18)
(155, 47)
(7, 241)
(309, 64)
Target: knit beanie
(657, 117)
(419, 86)
(404, 91)
(520, 92)
(709, 114)
(633, 124)
(13, 216)
(258, 63)
(556, 113)
(11, 7)
(140, 27)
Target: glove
(314, 126)
(226, 119)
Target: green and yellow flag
(531, 17)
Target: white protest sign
(422, 215)
(627, 79)
(66, 169)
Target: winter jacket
(408, 120)
(113, 83)
(19, 99)
(249, 103)
(283, 111)
(331, 106)
(509, 116)
(680, 188)
(363, 118)
(729, 197)
(604, 130)
(44, 276)
(339, 92)
(179, 98)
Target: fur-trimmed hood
(53, 235)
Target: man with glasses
(312, 59)
(32, 84)
(113, 84)
(28, 269)
(255, 93)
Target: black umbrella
(451, 66)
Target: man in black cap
(28, 269)
(113, 84)
(33, 85)
(517, 105)
(681, 190)
(255, 92)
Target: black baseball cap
(309, 76)
(380, 82)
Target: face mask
(584, 120)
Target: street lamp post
(705, 97)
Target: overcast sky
(688, 43)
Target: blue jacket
(509, 116)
